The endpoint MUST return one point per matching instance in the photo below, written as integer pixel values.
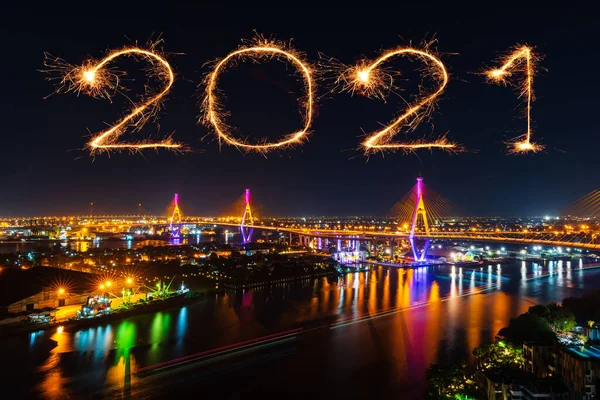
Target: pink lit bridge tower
(247, 219)
(175, 219)
(419, 215)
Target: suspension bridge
(413, 215)
(416, 221)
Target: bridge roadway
(531, 238)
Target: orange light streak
(371, 80)
(96, 79)
(523, 143)
(213, 110)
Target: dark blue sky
(43, 172)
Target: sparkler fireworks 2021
(369, 78)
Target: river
(366, 334)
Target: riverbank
(154, 306)
(420, 264)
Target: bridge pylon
(247, 219)
(175, 219)
(419, 214)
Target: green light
(459, 396)
(126, 336)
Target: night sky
(44, 171)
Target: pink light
(246, 236)
(176, 199)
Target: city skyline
(326, 175)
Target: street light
(129, 281)
(101, 286)
(61, 291)
(108, 283)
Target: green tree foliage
(528, 328)
(585, 308)
(560, 319)
(444, 382)
(500, 354)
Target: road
(70, 311)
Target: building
(492, 381)
(504, 385)
(580, 368)
(592, 332)
(541, 389)
(47, 298)
(539, 359)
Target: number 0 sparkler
(371, 80)
(96, 79)
(524, 54)
(213, 110)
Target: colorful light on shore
(371, 80)
(260, 49)
(97, 79)
(523, 57)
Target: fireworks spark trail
(371, 79)
(510, 65)
(259, 48)
(97, 79)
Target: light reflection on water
(86, 245)
(449, 324)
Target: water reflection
(86, 245)
(181, 328)
(119, 374)
(451, 311)
(35, 338)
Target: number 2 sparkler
(96, 79)
(371, 80)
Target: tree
(446, 382)
(561, 319)
(528, 328)
(500, 354)
(584, 308)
